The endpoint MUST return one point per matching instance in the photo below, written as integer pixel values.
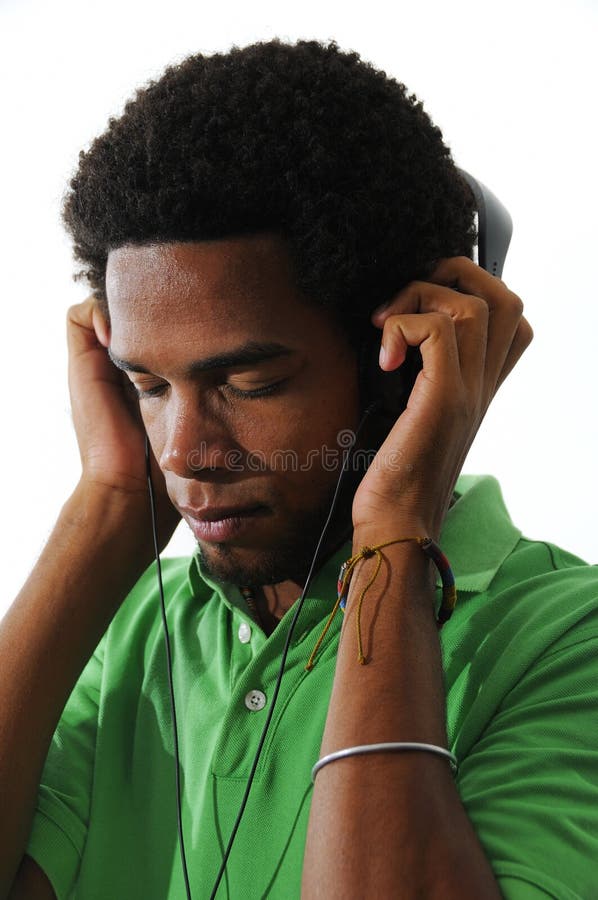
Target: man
(241, 225)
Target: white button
(255, 700)
(244, 633)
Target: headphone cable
(285, 651)
(169, 668)
(281, 669)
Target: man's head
(244, 390)
(302, 140)
(273, 195)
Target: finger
(462, 274)
(505, 310)
(87, 353)
(81, 335)
(101, 326)
(455, 273)
(434, 333)
(504, 306)
(469, 315)
(523, 338)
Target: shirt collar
(478, 533)
(477, 536)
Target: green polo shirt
(521, 673)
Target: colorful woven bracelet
(430, 548)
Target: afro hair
(303, 140)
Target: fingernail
(381, 308)
(382, 357)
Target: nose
(194, 441)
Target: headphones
(385, 393)
(390, 390)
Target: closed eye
(157, 390)
(265, 391)
(142, 393)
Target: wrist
(387, 593)
(410, 515)
(104, 515)
(371, 535)
(403, 561)
(91, 499)
(415, 561)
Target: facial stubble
(291, 557)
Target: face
(244, 388)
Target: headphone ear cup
(389, 390)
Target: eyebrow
(250, 353)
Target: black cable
(285, 654)
(169, 667)
(283, 660)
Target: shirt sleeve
(61, 818)
(530, 785)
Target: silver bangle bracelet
(388, 747)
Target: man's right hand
(107, 420)
(100, 546)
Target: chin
(253, 568)
(287, 552)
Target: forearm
(391, 824)
(91, 561)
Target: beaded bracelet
(430, 548)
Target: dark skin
(175, 305)
(399, 818)
(469, 337)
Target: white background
(511, 84)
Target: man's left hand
(471, 332)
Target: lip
(212, 523)
(214, 513)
